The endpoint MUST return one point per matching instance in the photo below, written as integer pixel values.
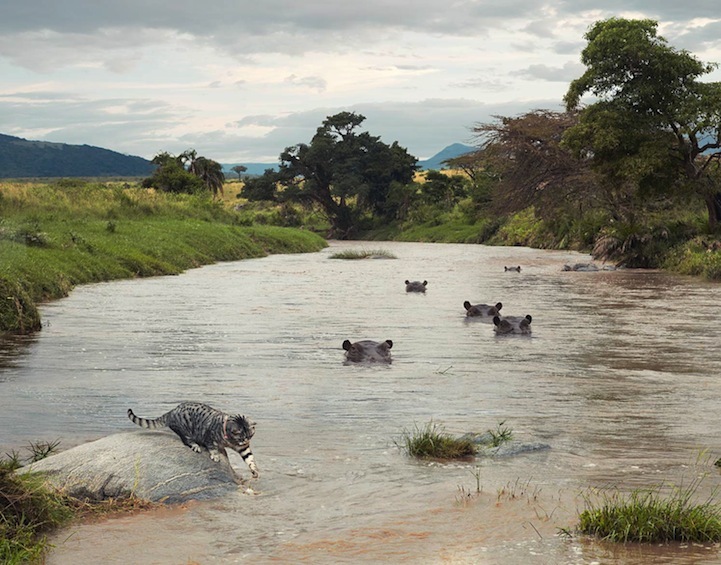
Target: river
(620, 379)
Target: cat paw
(195, 447)
(215, 456)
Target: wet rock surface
(152, 465)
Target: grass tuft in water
(502, 434)
(430, 441)
(363, 254)
(645, 516)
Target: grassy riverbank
(56, 236)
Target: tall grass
(646, 516)
(430, 441)
(352, 254)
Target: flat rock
(152, 465)
(484, 441)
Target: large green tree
(345, 172)
(654, 125)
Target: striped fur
(201, 426)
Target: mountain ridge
(21, 158)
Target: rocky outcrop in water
(152, 465)
(485, 441)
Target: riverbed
(619, 381)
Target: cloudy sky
(240, 80)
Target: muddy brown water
(621, 378)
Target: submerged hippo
(512, 324)
(482, 310)
(416, 286)
(513, 269)
(368, 351)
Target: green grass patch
(353, 254)
(646, 516)
(430, 441)
(53, 237)
(30, 509)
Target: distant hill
(435, 162)
(20, 158)
(254, 169)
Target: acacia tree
(344, 172)
(655, 125)
(529, 165)
(239, 170)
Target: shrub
(431, 441)
(363, 254)
(645, 516)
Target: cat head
(239, 430)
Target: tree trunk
(713, 204)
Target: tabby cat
(202, 426)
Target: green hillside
(20, 158)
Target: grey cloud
(482, 84)
(280, 16)
(568, 47)
(45, 34)
(671, 10)
(568, 72)
(541, 28)
(314, 83)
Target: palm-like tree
(207, 170)
(210, 172)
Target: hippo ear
(425, 283)
(389, 343)
(528, 317)
(346, 345)
(467, 305)
(499, 306)
(408, 282)
(496, 321)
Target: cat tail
(147, 422)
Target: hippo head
(368, 351)
(416, 286)
(516, 269)
(512, 324)
(482, 310)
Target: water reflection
(12, 350)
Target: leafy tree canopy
(655, 124)
(344, 172)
